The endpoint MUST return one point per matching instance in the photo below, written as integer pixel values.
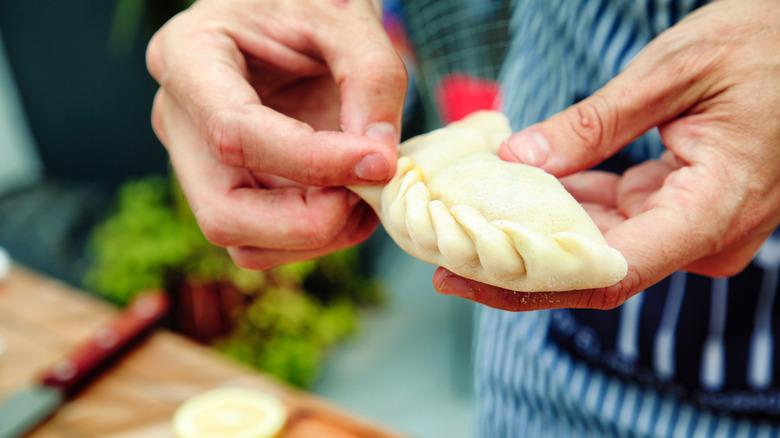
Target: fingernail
(384, 132)
(372, 167)
(529, 147)
(456, 286)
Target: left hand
(711, 84)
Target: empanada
(453, 202)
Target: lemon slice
(230, 413)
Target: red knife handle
(106, 344)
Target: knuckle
(394, 78)
(711, 241)
(158, 125)
(384, 66)
(588, 122)
(224, 135)
(315, 172)
(154, 62)
(158, 46)
(392, 72)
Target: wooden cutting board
(42, 319)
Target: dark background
(80, 71)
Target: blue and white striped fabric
(562, 51)
(530, 387)
(690, 357)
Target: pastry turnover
(453, 202)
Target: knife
(28, 407)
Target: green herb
(290, 316)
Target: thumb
(655, 88)
(371, 75)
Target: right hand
(710, 86)
(252, 96)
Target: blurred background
(86, 197)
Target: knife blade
(28, 407)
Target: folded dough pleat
(496, 251)
(418, 217)
(454, 244)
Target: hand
(711, 86)
(252, 94)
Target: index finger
(232, 210)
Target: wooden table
(42, 319)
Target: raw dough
(454, 203)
